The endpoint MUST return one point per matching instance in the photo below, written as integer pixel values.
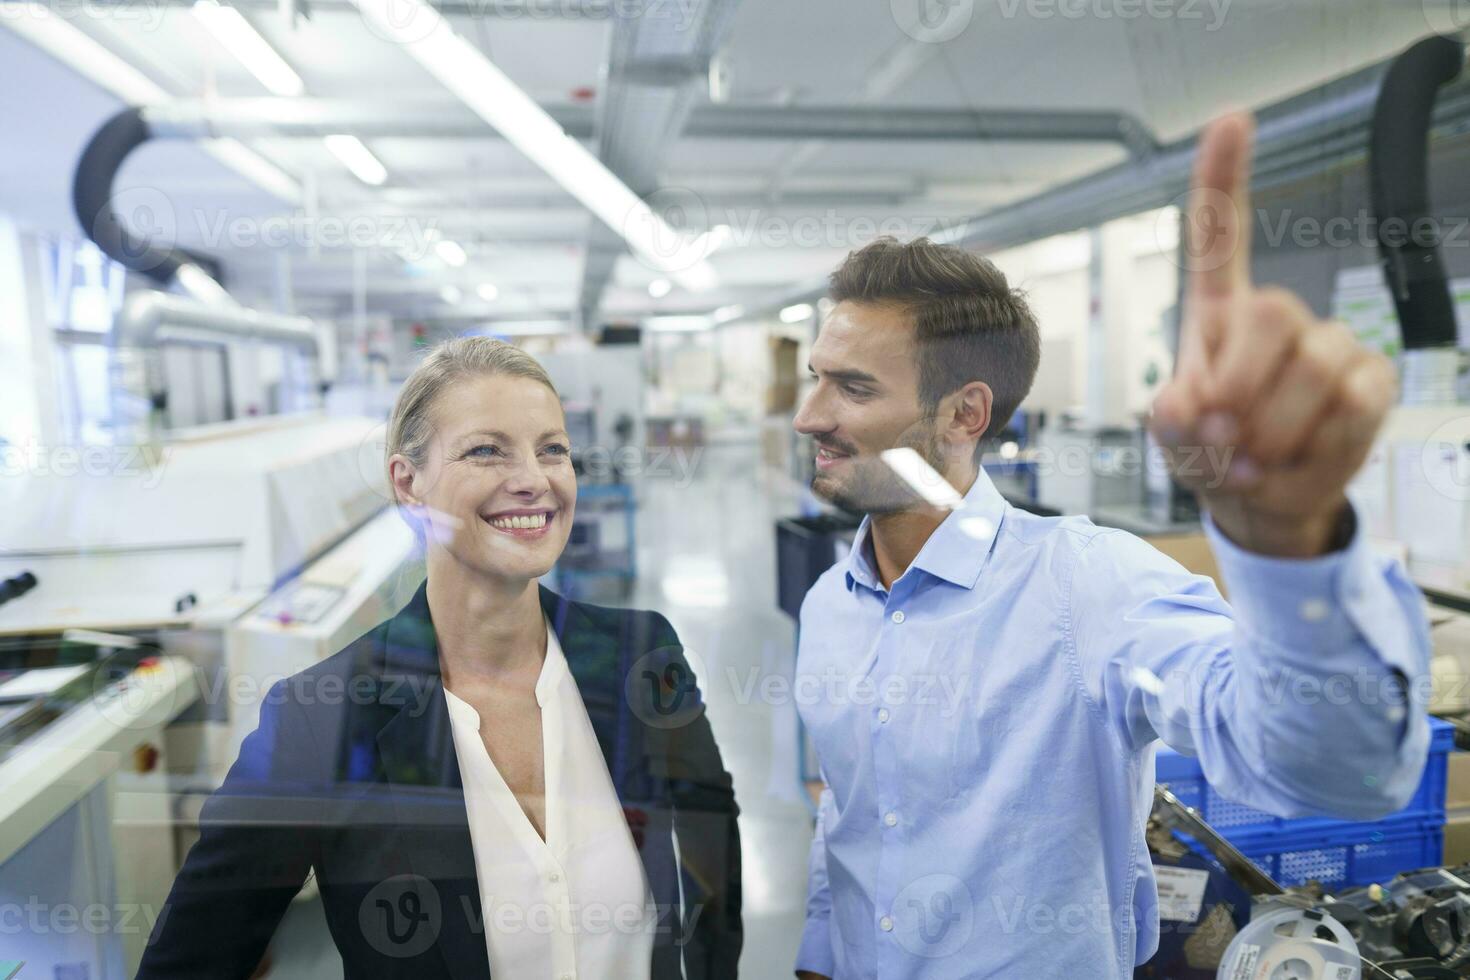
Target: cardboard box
(1457, 839)
(1457, 786)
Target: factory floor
(706, 559)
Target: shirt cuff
(816, 947)
(1314, 611)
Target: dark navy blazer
(352, 774)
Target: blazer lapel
(419, 764)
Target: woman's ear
(401, 473)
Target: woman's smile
(529, 523)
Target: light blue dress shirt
(986, 731)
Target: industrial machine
(153, 590)
(1240, 924)
(242, 554)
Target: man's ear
(970, 416)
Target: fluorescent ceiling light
(463, 69)
(59, 38)
(796, 313)
(232, 30)
(358, 158)
(451, 294)
(659, 288)
(487, 291)
(727, 313)
(450, 251)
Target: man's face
(866, 400)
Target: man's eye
(855, 392)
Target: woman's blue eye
(491, 450)
(557, 449)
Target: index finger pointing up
(1219, 219)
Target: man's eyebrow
(845, 374)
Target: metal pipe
(1294, 137)
(149, 315)
(250, 118)
(149, 318)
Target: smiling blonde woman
(497, 781)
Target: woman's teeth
(530, 523)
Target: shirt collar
(957, 549)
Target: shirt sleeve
(1304, 696)
(815, 953)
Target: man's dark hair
(969, 324)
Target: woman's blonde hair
(410, 428)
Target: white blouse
(578, 903)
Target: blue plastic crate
(1350, 856)
(1185, 780)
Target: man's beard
(872, 487)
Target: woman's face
(497, 481)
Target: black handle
(1398, 166)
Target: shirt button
(1313, 610)
(897, 615)
(891, 819)
(554, 876)
(883, 715)
(886, 924)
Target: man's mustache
(837, 447)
